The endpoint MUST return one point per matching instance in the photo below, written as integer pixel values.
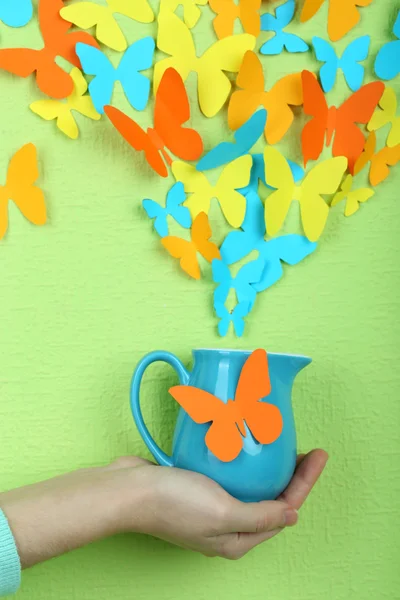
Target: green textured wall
(83, 298)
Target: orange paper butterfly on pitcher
(58, 41)
(342, 17)
(229, 421)
(171, 111)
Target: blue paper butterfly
(16, 13)
(245, 137)
(248, 274)
(138, 57)
(236, 317)
(175, 197)
(281, 40)
(353, 72)
(387, 64)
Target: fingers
(259, 517)
(235, 545)
(308, 470)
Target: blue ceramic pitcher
(260, 472)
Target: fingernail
(291, 517)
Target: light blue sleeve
(10, 566)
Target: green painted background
(83, 298)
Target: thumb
(259, 517)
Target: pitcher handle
(159, 356)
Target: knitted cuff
(10, 566)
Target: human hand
(194, 512)
(134, 495)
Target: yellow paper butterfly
(235, 175)
(21, 176)
(353, 197)
(380, 118)
(88, 14)
(191, 11)
(62, 111)
(175, 39)
(324, 178)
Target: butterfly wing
(224, 440)
(279, 176)
(367, 154)
(355, 53)
(245, 137)
(196, 184)
(175, 197)
(325, 53)
(387, 63)
(387, 114)
(54, 109)
(157, 212)
(237, 317)
(21, 176)
(324, 178)
(137, 138)
(244, 102)
(16, 14)
(359, 108)
(221, 275)
(380, 163)
(248, 275)
(263, 419)
(310, 8)
(171, 111)
(186, 252)
(140, 10)
(343, 16)
(313, 134)
(235, 175)
(138, 57)
(201, 234)
(174, 39)
(227, 13)
(94, 62)
(287, 92)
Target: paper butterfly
(62, 111)
(281, 40)
(287, 92)
(21, 176)
(87, 14)
(353, 197)
(191, 11)
(387, 63)
(58, 41)
(233, 419)
(16, 13)
(290, 249)
(214, 87)
(245, 138)
(380, 118)
(235, 316)
(380, 162)
(250, 273)
(324, 178)
(353, 72)
(171, 111)
(187, 251)
(138, 57)
(173, 208)
(343, 15)
(248, 11)
(234, 176)
(338, 122)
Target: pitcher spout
(299, 363)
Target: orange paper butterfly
(339, 122)
(380, 162)
(171, 111)
(248, 11)
(50, 78)
(21, 176)
(187, 251)
(343, 15)
(285, 93)
(228, 421)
